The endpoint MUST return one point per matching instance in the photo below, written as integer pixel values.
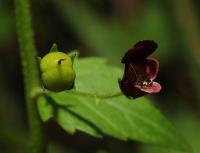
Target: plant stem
(30, 73)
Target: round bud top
(57, 71)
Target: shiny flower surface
(140, 70)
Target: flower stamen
(145, 83)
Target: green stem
(30, 73)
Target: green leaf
(94, 76)
(67, 119)
(93, 109)
(118, 117)
(189, 126)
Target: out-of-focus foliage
(6, 24)
(110, 37)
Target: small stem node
(36, 92)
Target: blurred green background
(106, 28)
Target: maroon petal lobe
(154, 88)
(149, 45)
(128, 81)
(129, 75)
(130, 90)
(140, 51)
(152, 67)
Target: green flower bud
(57, 71)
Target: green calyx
(57, 71)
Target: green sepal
(54, 48)
(73, 54)
(39, 59)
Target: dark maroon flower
(140, 71)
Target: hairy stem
(30, 73)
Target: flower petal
(129, 75)
(128, 81)
(154, 88)
(140, 71)
(140, 51)
(130, 91)
(152, 67)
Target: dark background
(106, 28)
